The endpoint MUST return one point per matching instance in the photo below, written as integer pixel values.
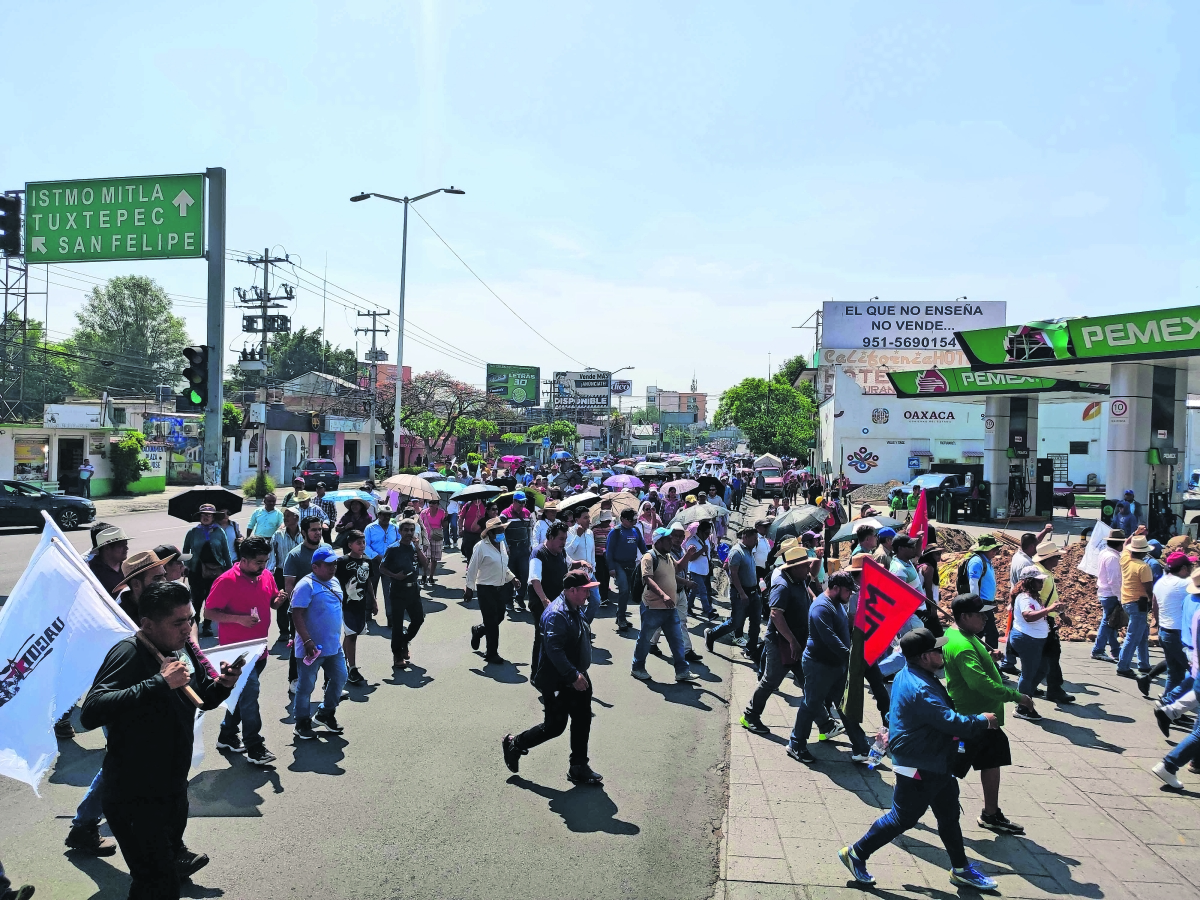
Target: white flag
(1090, 563)
(226, 654)
(55, 630)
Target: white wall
(1061, 423)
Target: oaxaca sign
(515, 385)
(1140, 335)
(940, 382)
(904, 326)
(156, 217)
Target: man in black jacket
(150, 726)
(562, 679)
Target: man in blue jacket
(924, 739)
(623, 550)
(562, 679)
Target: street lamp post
(400, 330)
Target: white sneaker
(1167, 778)
(292, 686)
(687, 676)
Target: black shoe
(328, 721)
(87, 839)
(1038, 692)
(188, 863)
(623, 625)
(355, 677)
(1143, 684)
(494, 659)
(1060, 697)
(233, 744)
(1126, 673)
(709, 639)
(24, 892)
(260, 756)
(303, 730)
(656, 651)
(512, 753)
(583, 775)
(1164, 721)
(206, 631)
(753, 724)
(999, 823)
(1010, 668)
(476, 636)
(801, 755)
(693, 656)
(1030, 715)
(521, 606)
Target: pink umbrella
(512, 459)
(621, 482)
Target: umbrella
(478, 492)
(560, 454)
(512, 459)
(698, 513)
(796, 521)
(620, 482)
(846, 532)
(626, 461)
(503, 501)
(672, 470)
(186, 505)
(410, 486)
(451, 488)
(683, 486)
(621, 501)
(705, 481)
(431, 476)
(587, 498)
(622, 468)
(347, 495)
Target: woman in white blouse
(1030, 630)
(488, 576)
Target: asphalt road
(414, 800)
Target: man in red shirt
(239, 602)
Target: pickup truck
(935, 483)
(766, 483)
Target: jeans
(518, 564)
(652, 620)
(492, 599)
(624, 577)
(1185, 751)
(559, 706)
(1173, 695)
(681, 618)
(1177, 661)
(774, 671)
(823, 686)
(752, 607)
(699, 591)
(91, 807)
(246, 712)
(910, 799)
(593, 605)
(1106, 635)
(149, 831)
(1137, 637)
(406, 598)
(335, 680)
(450, 529)
(1034, 665)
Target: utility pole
(374, 357)
(267, 324)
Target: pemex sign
(940, 382)
(154, 217)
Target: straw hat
(794, 557)
(111, 536)
(1193, 583)
(1139, 544)
(1116, 538)
(141, 562)
(857, 561)
(1047, 550)
(496, 524)
(301, 496)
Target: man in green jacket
(975, 687)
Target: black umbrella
(478, 492)
(187, 505)
(504, 501)
(796, 521)
(431, 476)
(587, 498)
(707, 481)
(698, 513)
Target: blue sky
(668, 186)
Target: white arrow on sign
(183, 200)
(37, 245)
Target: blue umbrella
(343, 496)
(447, 487)
(560, 454)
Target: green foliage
(474, 459)
(649, 416)
(676, 437)
(258, 485)
(49, 370)
(475, 430)
(128, 338)
(128, 461)
(775, 417)
(559, 431)
(435, 405)
(790, 371)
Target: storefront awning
(928, 453)
(973, 453)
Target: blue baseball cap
(324, 555)
(519, 495)
(885, 533)
(660, 533)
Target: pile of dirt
(952, 540)
(872, 493)
(1076, 589)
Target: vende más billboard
(582, 390)
(905, 326)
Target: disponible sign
(905, 326)
(156, 217)
(582, 390)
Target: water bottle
(877, 748)
(311, 658)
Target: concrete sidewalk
(1098, 823)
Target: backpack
(638, 588)
(962, 582)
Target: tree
(775, 417)
(651, 415)
(434, 405)
(790, 371)
(559, 431)
(49, 371)
(128, 338)
(128, 460)
(297, 353)
(474, 431)
(676, 437)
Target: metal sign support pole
(213, 433)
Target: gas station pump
(1160, 518)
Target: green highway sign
(515, 385)
(936, 382)
(156, 217)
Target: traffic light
(195, 395)
(10, 225)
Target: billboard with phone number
(515, 385)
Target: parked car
(320, 470)
(22, 504)
(770, 485)
(934, 483)
(1191, 496)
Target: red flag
(920, 520)
(885, 603)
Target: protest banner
(885, 603)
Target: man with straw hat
(1046, 557)
(1137, 581)
(787, 633)
(1108, 591)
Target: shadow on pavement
(1078, 735)
(584, 808)
(320, 756)
(76, 765)
(1092, 711)
(505, 674)
(684, 694)
(231, 792)
(411, 676)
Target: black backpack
(962, 583)
(638, 588)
